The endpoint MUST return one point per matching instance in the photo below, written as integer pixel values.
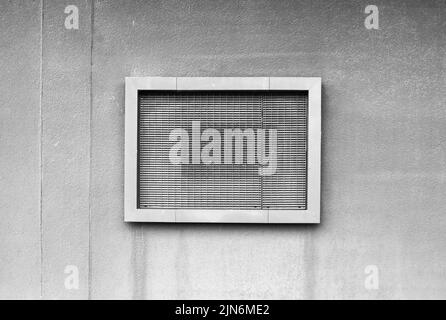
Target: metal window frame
(310, 215)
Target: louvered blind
(164, 185)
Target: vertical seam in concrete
(90, 150)
(309, 264)
(138, 261)
(40, 149)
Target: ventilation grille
(162, 184)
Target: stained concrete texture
(65, 109)
(19, 150)
(383, 155)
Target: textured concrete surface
(19, 150)
(65, 148)
(383, 155)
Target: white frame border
(134, 84)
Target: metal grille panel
(233, 186)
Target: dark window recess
(225, 186)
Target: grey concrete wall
(383, 150)
(20, 90)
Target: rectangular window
(222, 150)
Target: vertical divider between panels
(306, 147)
(90, 253)
(261, 126)
(138, 174)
